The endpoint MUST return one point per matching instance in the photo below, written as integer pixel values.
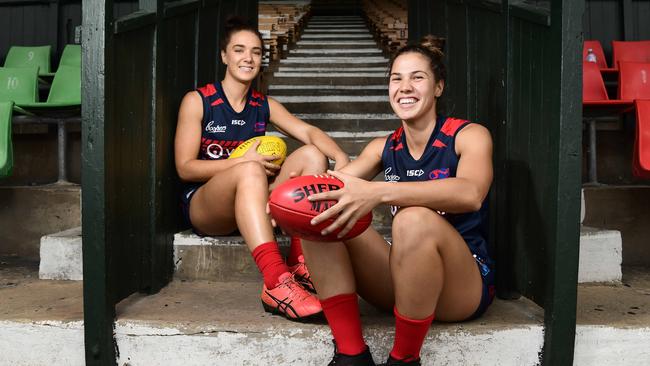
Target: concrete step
(357, 52)
(359, 123)
(339, 63)
(624, 209)
(307, 90)
(337, 45)
(327, 69)
(28, 213)
(381, 89)
(338, 104)
(228, 258)
(223, 323)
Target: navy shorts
(186, 197)
(488, 277)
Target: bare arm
(306, 133)
(368, 164)
(463, 193)
(188, 142)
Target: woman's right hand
(266, 160)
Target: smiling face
(412, 87)
(243, 56)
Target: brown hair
(236, 24)
(431, 47)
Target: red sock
(409, 336)
(295, 251)
(342, 313)
(269, 260)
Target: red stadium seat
(597, 48)
(630, 51)
(596, 105)
(593, 87)
(641, 159)
(634, 80)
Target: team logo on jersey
(215, 129)
(215, 151)
(391, 177)
(414, 173)
(238, 122)
(439, 174)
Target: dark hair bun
(434, 44)
(235, 22)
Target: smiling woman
(223, 195)
(438, 171)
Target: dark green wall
(616, 20)
(137, 68)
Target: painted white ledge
(334, 36)
(330, 69)
(333, 60)
(335, 51)
(331, 74)
(330, 98)
(328, 87)
(337, 43)
(341, 30)
(364, 116)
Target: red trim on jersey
(438, 143)
(217, 102)
(254, 103)
(257, 95)
(397, 135)
(208, 90)
(451, 126)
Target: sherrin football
(293, 212)
(270, 145)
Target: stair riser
(339, 107)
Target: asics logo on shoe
(284, 305)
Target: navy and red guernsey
(438, 161)
(223, 129)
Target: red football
(293, 212)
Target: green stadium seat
(6, 147)
(18, 85)
(65, 92)
(39, 56)
(71, 56)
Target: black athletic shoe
(393, 362)
(362, 359)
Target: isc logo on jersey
(215, 129)
(238, 122)
(414, 173)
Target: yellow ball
(270, 145)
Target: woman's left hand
(355, 200)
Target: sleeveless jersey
(438, 161)
(223, 129)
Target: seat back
(597, 48)
(630, 51)
(6, 146)
(71, 56)
(641, 160)
(593, 87)
(39, 56)
(18, 85)
(66, 86)
(634, 80)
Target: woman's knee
(416, 231)
(311, 157)
(250, 171)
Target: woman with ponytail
(438, 171)
(223, 195)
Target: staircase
(334, 78)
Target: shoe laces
(296, 292)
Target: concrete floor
(236, 304)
